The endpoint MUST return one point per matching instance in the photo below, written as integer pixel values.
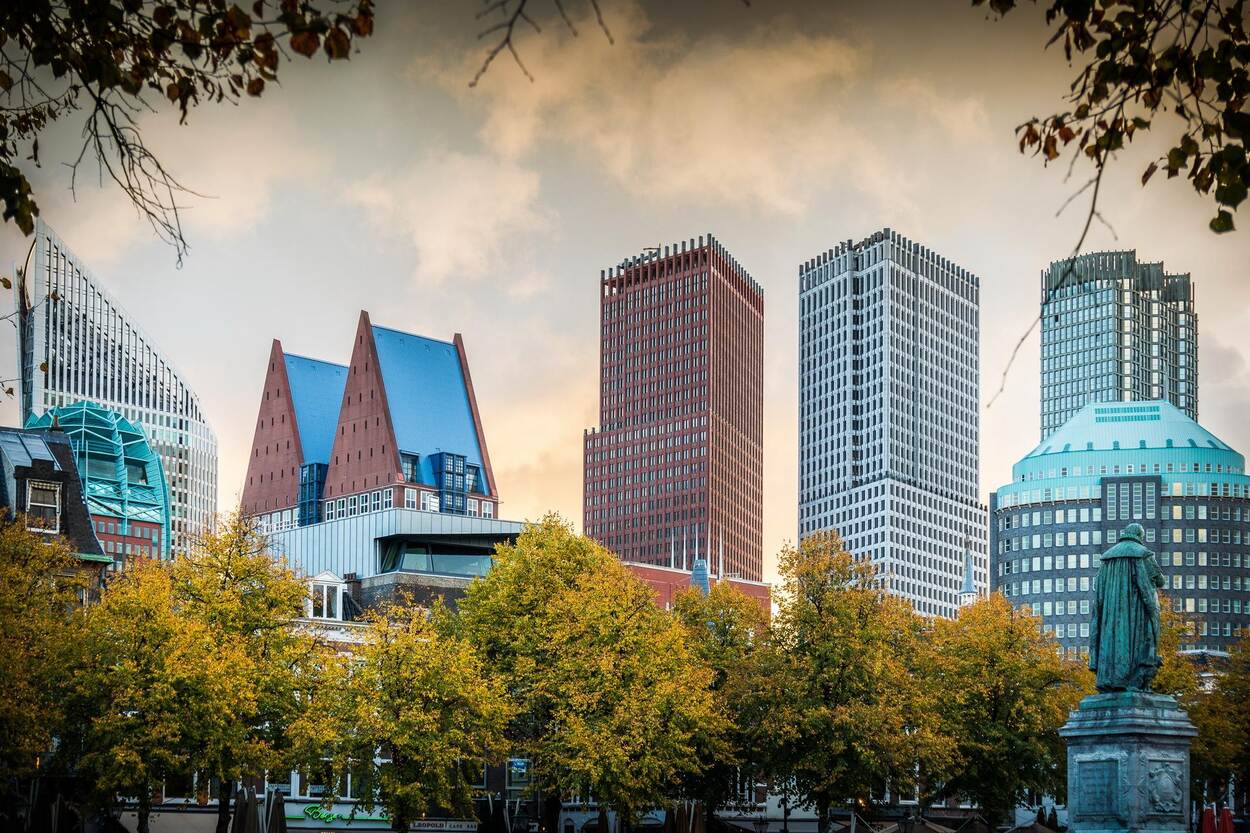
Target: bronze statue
(1124, 635)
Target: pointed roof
(428, 396)
(316, 396)
(969, 588)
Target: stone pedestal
(1128, 764)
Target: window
(411, 467)
(324, 601)
(410, 498)
(429, 502)
(471, 506)
(488, 509)
(43, 506)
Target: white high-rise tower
(889, 413)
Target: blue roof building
(1109, 465)
(396, 427)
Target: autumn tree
(1152, 64)
(729, 633)
(1004, 694)
(109, 62)
(249, 603)
(143, 687)
(40, 590)
(426, 700)
(851, 713)
(611, 700)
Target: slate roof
(428, 398)
(316, 396)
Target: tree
(1147, 59)
(1232, 693)
(611, 702)
(851, 714)
(40, 590)
(1004, 693)
(729, 633)
(144, 687)
(116, 59)
(249, 603)
(425, 698)
(631, 707)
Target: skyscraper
(888, 414)
(675, 469)
(76, 342)
(1115, 329)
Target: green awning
(102, 559)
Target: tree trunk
(225, 795)
(144, 810)
(822, 816)
(603, 820)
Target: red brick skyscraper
(675, 469)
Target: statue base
(1128, 764)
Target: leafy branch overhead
(114, 61)
(1146, 60)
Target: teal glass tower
(122, 478)
(1116, 329)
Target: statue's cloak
(1124, 633)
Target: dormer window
(43, 507)
(324, 600)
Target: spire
(968, 593)
(699, 577)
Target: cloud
(676, 116)
(469, 216)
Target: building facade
(75, 342)
(1115, 329)
(123, 480)
(888, 414)
(39, 484)
(677, 459)
(1111, 465)
(398, 426)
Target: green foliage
(249, 603)
(851, 711)
(145, 689)
(1143, 60)
(1004, 694)
(114, 59)
(426, 699)
(729, 633)
(612, 702)
(40, 586)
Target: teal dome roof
(1113, 426)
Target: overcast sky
(387, 184)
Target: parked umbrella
(1226, 821)
(1207, 825)
(277, 813)
(239, 823)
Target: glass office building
(1108, 466)
(76, 342)
(1115, 329)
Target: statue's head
(1133, 532)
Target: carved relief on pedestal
(1165, 786)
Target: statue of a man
(1124, 635)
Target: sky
(387, 183)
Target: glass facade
(1116, 330)
(75, 342)
(1109, 466)
(889, 416)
